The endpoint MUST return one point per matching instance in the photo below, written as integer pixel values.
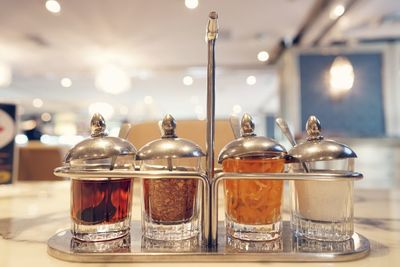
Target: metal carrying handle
(211, 37)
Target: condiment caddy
(179, 198)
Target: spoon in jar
(282, 124)
(235, 125)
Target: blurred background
(136, 60)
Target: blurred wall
(373, 100)
(358, 113)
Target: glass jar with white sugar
(322, 210)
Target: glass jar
(322, 210)
(101, 210)
(253, 206)
(170, 207)
(100, 207)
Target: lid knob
(247, 125)
(97, 125)
(168, 126)
(313, 128)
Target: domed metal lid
(250, 145)
(316, 148)
(99, 146)
(169, 145)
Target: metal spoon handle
(285, 130)
(235, 125)
(282, 124)
(124, 130)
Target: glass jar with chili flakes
(170, 207)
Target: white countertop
(32, 212)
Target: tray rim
(202, 256)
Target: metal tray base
(132, 248)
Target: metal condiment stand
(215, 246)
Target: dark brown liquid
(170, 200)
(94, 202)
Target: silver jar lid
(99, 151)
(169, 146)
(251, 145)
(316, 148)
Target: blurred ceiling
(140, 33)
(157, 43)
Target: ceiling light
(5, 75)
(49, 139)
(37, 102)
(341, 77)
(53, 6)
(28, 125)
(337, 11)
(187, 80)
(66, 82)
(21, 139)
(263, 56)
(191, 4)
(148, 100)
(105, 109)
(237, 109)
(251, 80)
(112, 79)
(45, 116)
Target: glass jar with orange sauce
(253, 206)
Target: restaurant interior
(138, 65)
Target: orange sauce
(253, 201)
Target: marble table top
(32, 212)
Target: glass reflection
(122, 244)
(237, 245)
(302, 244)
(187, 245)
